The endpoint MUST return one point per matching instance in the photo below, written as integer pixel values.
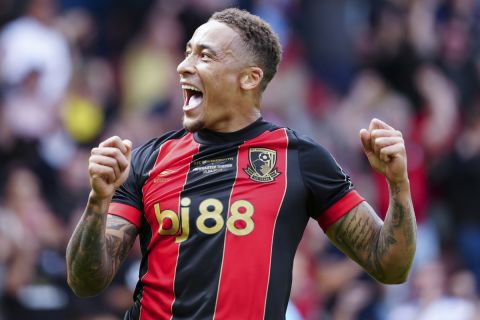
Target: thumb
(365, 138)
(128, 144)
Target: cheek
(219, 77)
(225, 83)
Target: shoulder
(316, 161)
(155, 143)
(307, 146)
(149, 150)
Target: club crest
(261, 166)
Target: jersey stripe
(225, 237)
(158, 291)
(209, 182)
(289, 227)
(247, 258)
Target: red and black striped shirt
(220, 216)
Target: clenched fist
(385, 150)
(108, 167)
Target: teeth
(188, 87)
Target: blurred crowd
(73, 72)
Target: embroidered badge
(261, 167)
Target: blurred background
(73, 72)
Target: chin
(193, 125)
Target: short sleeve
(127, 200)
(330, 191)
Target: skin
(385, 249)
(217, 64)
(101, 242)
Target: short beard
(193, 126)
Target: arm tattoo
(368, 241)
(358, 235)
(95, 252)
(120, 237)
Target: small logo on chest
(262, 165)
(212, 165)
(164, 176)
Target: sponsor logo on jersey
(163, 176)
(212, 165)
(262, 165)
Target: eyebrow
(203, 47)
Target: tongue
(195, 100)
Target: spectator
(32, 42)
(430, 299)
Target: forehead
(215, 34)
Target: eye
(187, 53)
(205, 56)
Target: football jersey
(220, 216)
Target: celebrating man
(221, 205)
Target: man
(221, 206)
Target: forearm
(397, 240)
(87, 258)
(384, 249)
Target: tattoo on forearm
(378, 245)
(96, 257)
(84, 250)
(407, 217)
(398, 214)
(402, 214)
(365, 240)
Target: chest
(206, 191)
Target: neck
(236, 122)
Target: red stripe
(172, 166)
(339, 209)
(127, 212)
(246, 262)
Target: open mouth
(193, 97)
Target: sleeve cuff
(127, 212)
(339, 209)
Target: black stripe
(145, 237)
(200, 256)
(145, 162)
(291, 222)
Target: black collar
(208, 137)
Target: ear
(250, 78)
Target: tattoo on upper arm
(120, 237)
(361, 235)
(357, 234)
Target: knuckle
(92, 168)
(116, 153)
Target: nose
(186, 66)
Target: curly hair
(258, 37)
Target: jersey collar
(208, 137)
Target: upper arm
(357, 234)
(120, 236)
